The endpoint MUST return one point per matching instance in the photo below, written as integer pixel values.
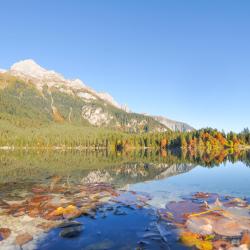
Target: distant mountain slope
(174, 125)
(31, 95)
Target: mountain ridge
(174, 125)
(97, 108)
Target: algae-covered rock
(70, 232)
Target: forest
(73, 136)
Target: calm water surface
(164, 179)
(227, 179)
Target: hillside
(33, 97)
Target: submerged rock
(246, 238)
(119, 212)
(180, 210)
(143, 243)
(4, 233)
(47, 226)
(22, 239)
(42, 207)
(69, 224)
(70, 232)
(103, 245)
(221, 244)
(223, 224)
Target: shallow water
(227, 179)
(112, 232)
(164, 179)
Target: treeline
(210, 158)
(72, 136)
(207, 139)
(211, 139)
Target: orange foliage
(164, 143)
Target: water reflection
(119, 168)
(227, 179)
(47, 185)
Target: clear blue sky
(187, 60)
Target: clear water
(227, 179)
(113, 232)
(165, 180)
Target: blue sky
(187, 60)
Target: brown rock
(201, 195)
(73, 215)
(34, 212)
(51, 216)
(245, 239)
(180, 210)
(221, 244)
(4, 233)
(4, 204)
(37, 200)
(229, 228)
(38, 190)
(22, 239)
(47, 226)
(200, 225)
(236, 202)
(18, 212)
(71, 212)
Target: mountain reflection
(119, 168)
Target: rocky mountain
(31, 94)
(174, 125)
(28, 70)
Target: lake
(126, 193)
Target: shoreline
(6, 148)
(79, 148)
